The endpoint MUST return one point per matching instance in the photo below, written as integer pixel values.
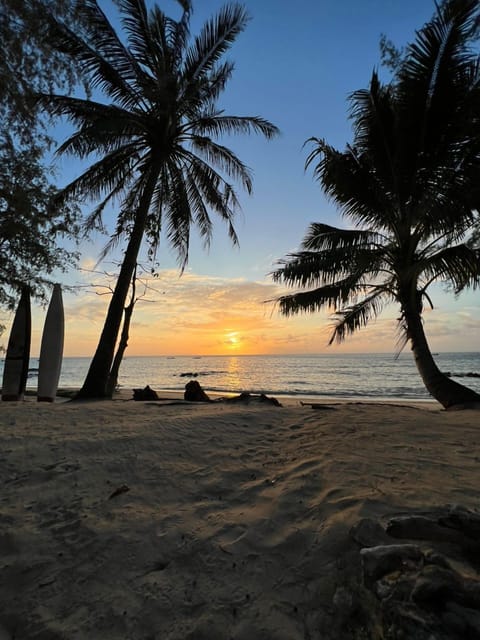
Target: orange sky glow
(206, 315)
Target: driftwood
(317, 405)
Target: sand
(131, 520)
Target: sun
(232, 340)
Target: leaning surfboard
(51, 349)
(15, 368)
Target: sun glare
(232, 340)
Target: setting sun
(232, 340)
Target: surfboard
(51, 349)
(15, 369)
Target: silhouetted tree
(410, 184)
(155, 141)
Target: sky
(295, 65)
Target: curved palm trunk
(445, 390)
(96, 382)
(123, 343)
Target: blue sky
(296, 64)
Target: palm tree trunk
(96, 382)
(445, 390)
(123, 343)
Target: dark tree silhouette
(410, 184)
(156, 140)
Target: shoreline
(375, 377)
(125, 394)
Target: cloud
(202, 314)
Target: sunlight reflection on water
(369, 375)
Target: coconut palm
(409, 183)
(156, 137)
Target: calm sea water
(343, 376)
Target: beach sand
(141, 521)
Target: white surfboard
(15, 368)
(51, 349)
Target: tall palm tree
(156, 140)
(410, 185)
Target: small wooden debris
(118, 491)
(317, 405)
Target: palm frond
(102, 57)
(224, 158)
(199, 210)
(104, 121)
(331, 295)
(323, 237)
(219, 125)
(200, 97)
(218, 194)
(357, 316)
(178, 214)
(459, 265)
(431, 88)
(374, 120)
(349, 180)
(111, 174)
(214, 39)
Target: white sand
(236, 521)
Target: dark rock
(145, 394)
(345, 601)
(433, 557)
(249, 397)
(465, 619)
(380, 560)
(423, 528)
(395, 587)
(195, 393)
(454, 623)
(436, 585)
(369, 533)
(468, 522)
(429, 590)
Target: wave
(470, 374)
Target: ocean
(373, 376)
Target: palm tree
(410, 185)
(156, 140)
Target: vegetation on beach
(409, 183)
(31, 227)
(155, 137)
